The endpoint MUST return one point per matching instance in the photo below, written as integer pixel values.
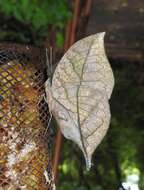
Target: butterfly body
(79, 95)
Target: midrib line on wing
(77, 98)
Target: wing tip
(101, 35)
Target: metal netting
(24, 151)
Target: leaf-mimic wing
(81, 87)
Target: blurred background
(118, 161)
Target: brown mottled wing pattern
(81, 87)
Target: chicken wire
(24, 141)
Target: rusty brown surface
(24, 115)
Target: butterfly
(78, 96)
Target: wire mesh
(24, 152)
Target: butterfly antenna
(49, 63)
(51, 60)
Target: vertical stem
(87, 8)
(57, 154)
(75, 21)
(59, 136)
(69, 40)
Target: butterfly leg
(48, 123)
(45, 98)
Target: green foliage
(37, 15)
(59, 39)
